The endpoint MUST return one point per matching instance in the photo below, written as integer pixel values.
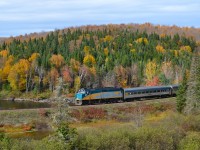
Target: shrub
(88, 114)
(153, 139)
(110, 138)
(191, 123)
(190, 142)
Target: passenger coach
(141, 92)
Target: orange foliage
(122, 76)
(163, 35)
(154, 82)
(53, 75)
(66, 75)
(57, 60)
(4, 53)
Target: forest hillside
(97, 56)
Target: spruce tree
(193, 92)
(181, 95)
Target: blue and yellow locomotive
(99, 95)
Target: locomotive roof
(106, 88)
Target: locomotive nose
(78, 102)
(79, 98)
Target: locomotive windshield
(81, 91)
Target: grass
(94, 116)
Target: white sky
(26, 16)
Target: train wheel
(78, 102)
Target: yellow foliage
(157, 117)
(151, 70)
(33, 57)
(146, 41)
(162, 35)
(176, 53)
(108, 38)
(89, 60)
(77, 83)
(160, 49)
(107, 59)
(4, 53)
(57, 60)
(130, 45)
(93, 70)
(75, 65)
(6, 68)
(133, 50)
(5, 72)
(86, 50)
(18, 74)
(186, 49)
(10, 60)
(123, 83)
(140, 40)
(106, 51)
(45, 80)
(87, 36)
(23, 66)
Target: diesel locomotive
(112, 94)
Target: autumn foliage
(96, 56)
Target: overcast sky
(26, 16)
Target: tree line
(94, 58)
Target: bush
(111, 139)
(89, 114)
(5, 142)
(191, 142)
(153, 139)
(191, 123)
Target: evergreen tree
(193, 92)
(181, 95)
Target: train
(115, 94)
